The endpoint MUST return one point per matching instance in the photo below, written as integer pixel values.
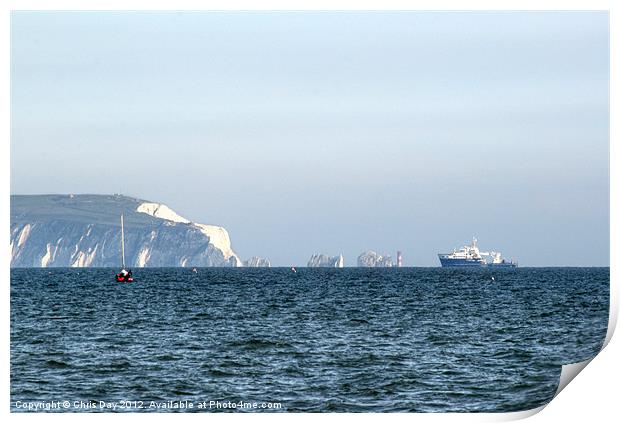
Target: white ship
(471, 256)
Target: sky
(328, 132)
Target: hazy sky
(329, 132)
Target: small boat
(124, 275)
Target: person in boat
(123, 275)
(129, 274)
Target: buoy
(294, 270)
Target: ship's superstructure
(498, 261)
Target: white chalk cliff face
(84, 230)
(322, 260)
(160, 211)
(218, 236)
(257, 262)
(373, 259)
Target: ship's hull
(460, 262)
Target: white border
(592, 396)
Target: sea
(314, 340)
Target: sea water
(319, 340)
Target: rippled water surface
(316, 340)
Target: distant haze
(333, 132)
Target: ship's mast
(122, 241)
